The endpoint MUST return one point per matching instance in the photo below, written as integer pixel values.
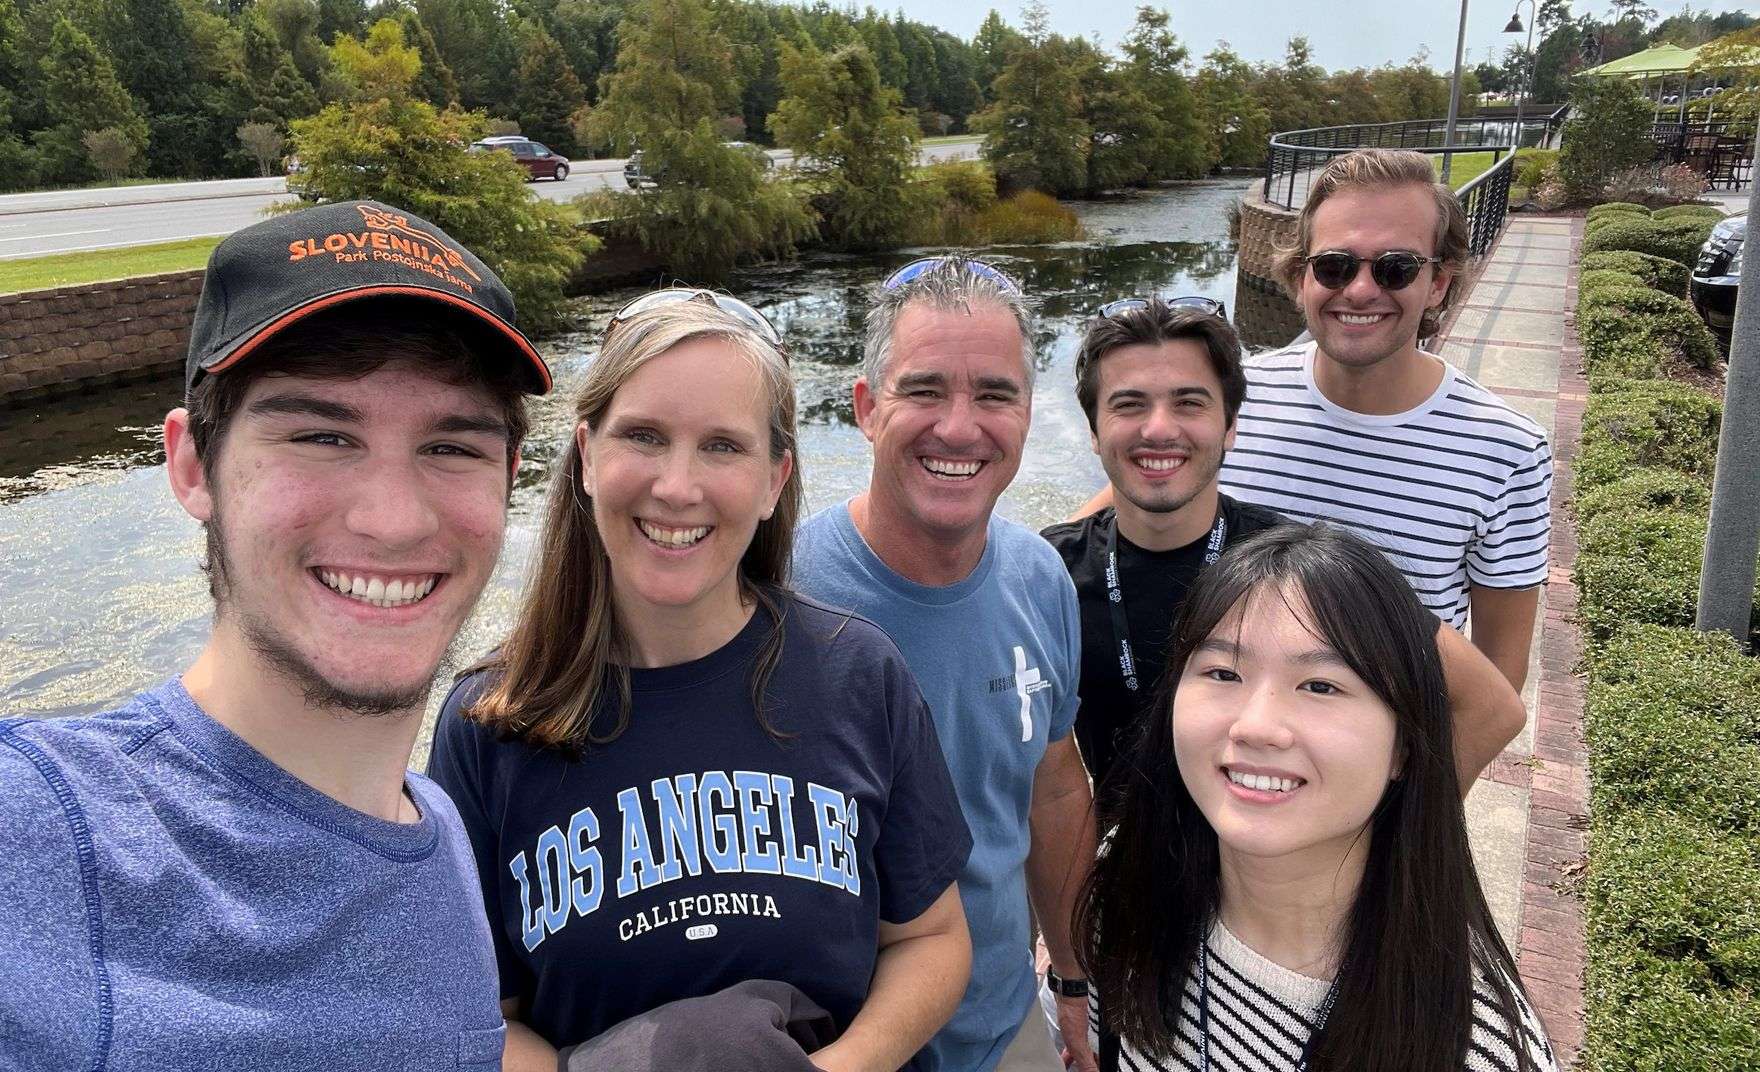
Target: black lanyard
(1204, 1013)
(1121, 630)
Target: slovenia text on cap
(273, 274)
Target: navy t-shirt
(696, 850)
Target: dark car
(535, 157)
(1717, 274)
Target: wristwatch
(1065, 988)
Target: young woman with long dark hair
(678, 775)
(1287, 882)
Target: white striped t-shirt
(1457, 491)
(1261, 1014)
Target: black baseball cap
(273, 274)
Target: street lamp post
(1515, 26)
(1454, 96)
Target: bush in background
(1608, 132)
(1650, 270)
(1677, 240)
(1648, 423)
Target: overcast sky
(1343, 33)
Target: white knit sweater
(1261, 1013)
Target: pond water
(99, 591)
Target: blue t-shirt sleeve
(52, 991)
(924, 841)
(456, 765)
(1069, 654)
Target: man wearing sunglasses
(1362, 427)
(986, 617)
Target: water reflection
(99, 594)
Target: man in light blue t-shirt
(986, 616)
(235, 869)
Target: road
(66, 221)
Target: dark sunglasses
(1189, 301)
(978, 268)
(1394, 270)
(739, 310)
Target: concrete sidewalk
(1525, 815)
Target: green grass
(98, 265)
(1466, 167)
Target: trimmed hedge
(1636, 331)
(1638, 568)
(1652, 488)
(1647, 423)
(1689, 212)
(1615, 208)
(1678, 239)
(1652, 271)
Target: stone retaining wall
(96, 332)
(67, 339)
(1263, 313)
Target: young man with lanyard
(1161, 383)
(986, 618)
(235, 869)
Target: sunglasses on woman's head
(739, 310)
(1190, 301)
(1394, 270)
(918, 268)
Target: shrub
(1535, 166)
(1638, 568)
(1029, 217)
(1648, 184)
(1673, 918)
(1609, 131)
(1650, 488)
(1648, 424)
(1685, 212)
(1678, 240)
(1616, 208)
(1597, 281)
(1651, 743)
(1634, 331)
(1653, 271)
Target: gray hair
(950, 285)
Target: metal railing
(1486, 200)
(1294, 158)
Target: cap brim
(518, 346)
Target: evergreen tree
(992, 47)
(1179, 147)
(712, 206)
(546, 92)
(81, 94)
(1609, 131)
(347, 17)
(1034, 132)
(475, 41)
(434, 82)
(18, 164)
(852, 139)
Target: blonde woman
(676, 773)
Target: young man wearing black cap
(235, 869)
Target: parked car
(1717, 275)
(638, 177)
(535, 157)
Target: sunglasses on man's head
(918, 268)
(1189, 301)
(739, 310)
(1395, 270)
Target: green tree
(341, 17)
(1609, 131)
(477, 45)
(1034, 132)
(1179, 146)
(382, 66)
(993, 46)
(81, 93)
(1239, 123)
(711, 207)
(1556, 59)
(547, 93)
(851, 139)
(434, 82)
(18, 164)
(400, 150)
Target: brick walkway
(1514, 334)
